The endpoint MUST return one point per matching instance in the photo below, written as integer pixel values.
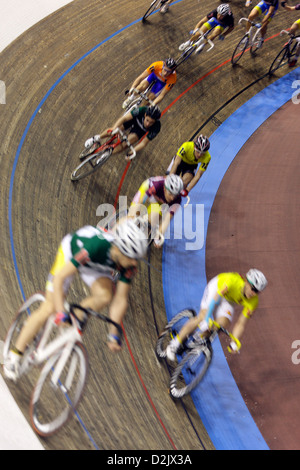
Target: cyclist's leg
(255, 12)
(217, 31)
(38, 318)
(101, 289)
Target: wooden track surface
(119, 410)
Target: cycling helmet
(257, 279)
(153, 112)
(171, 63)
(131, 240)
(202, 143)
(174, 184)
(223, 9)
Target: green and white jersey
(90, 247)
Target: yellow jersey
(186, 153)
(234, 283)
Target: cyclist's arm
(161, 95)
(175, 165)
(164, 224)
(117, 311)
(140, 78)
(141, 144)
(58, 282)
(195, 179)
(201, 23)
(141, 196)
(240, 325)
(228, 30)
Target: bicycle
(252, 39)
(142, 99)
(155, 4)
(195, 355)
(62, 379)
(189, 50)
(95, 156)
(286, 53)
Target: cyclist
(161, 75)
(268, 8)
(293, 30)
(221, 20)
(220, 295)
(163, 196)
(191, 161)
(101, 261)
(138, 122)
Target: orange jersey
(157, 68)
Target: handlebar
(92, 313)
(257, 25)
(125, 139)
(212, 323)
(286, 32)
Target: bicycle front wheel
(170, 331)
(240, 49)
(155, 4)
(52, 404)
(280, 60)
(190, 371)
(90, 164)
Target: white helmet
(223, 9)
(131, 240)
(174, 184)
(257, 279)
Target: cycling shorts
(63, 256)
(224, 309)
(213, 23)
(157, 84)
(298, 23)
(262, 7)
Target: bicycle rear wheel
(15, 330)
(190, 371)
(240, 49)
(173, 327)
(91, 164)
(280, 60)
(51, 404)
(155, 4)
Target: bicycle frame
(286, 52)
(138, 100)
(190, 49)
(121, 137)
(249, 40)
(63, 344)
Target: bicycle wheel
(91, 164)
(184, 55)
(280, 60)
(256, 42)
(190, 371)
(240, 49)
(52, 404)
(173, 327)
(15, 329)
(155, 4)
